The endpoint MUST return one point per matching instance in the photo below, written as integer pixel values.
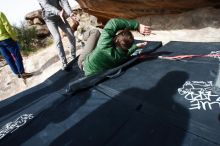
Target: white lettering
(199, 94)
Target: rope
(179, 57)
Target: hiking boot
(73, 57)
(66, 68)
(25, 75)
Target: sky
(15, 10)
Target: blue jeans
(53, 24)
(10, 51)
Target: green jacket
(105, 55)
(6, 30)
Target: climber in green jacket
(110, 49)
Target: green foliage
(44, 42)
(28, 40)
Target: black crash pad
(36, 107)
(193, 48)
(178, 93)
(153, 102)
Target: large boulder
(105, 9)
(34, 19)
(42, 30)
(38, 21)
(34, 14)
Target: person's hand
(144, 29)
(74, 22)
(73, 17)
(141, 45)
(61, 14)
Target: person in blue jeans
(9, 48)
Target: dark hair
(124, 39)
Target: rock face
(34, 19)
(105, 9)
(195, 19)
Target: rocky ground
(196, 26)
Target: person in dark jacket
(54, 15)
(9, 48)
(110, 49)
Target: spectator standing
(54, 12)
(9, 48)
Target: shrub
(28, 40)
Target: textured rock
(105, 9)
(29, 22)
(200, 25)
(195, 19)
(42, 30)
(38, 21)
(34, 14)
(34, 19)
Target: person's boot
(25, 75)
(66, 68)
